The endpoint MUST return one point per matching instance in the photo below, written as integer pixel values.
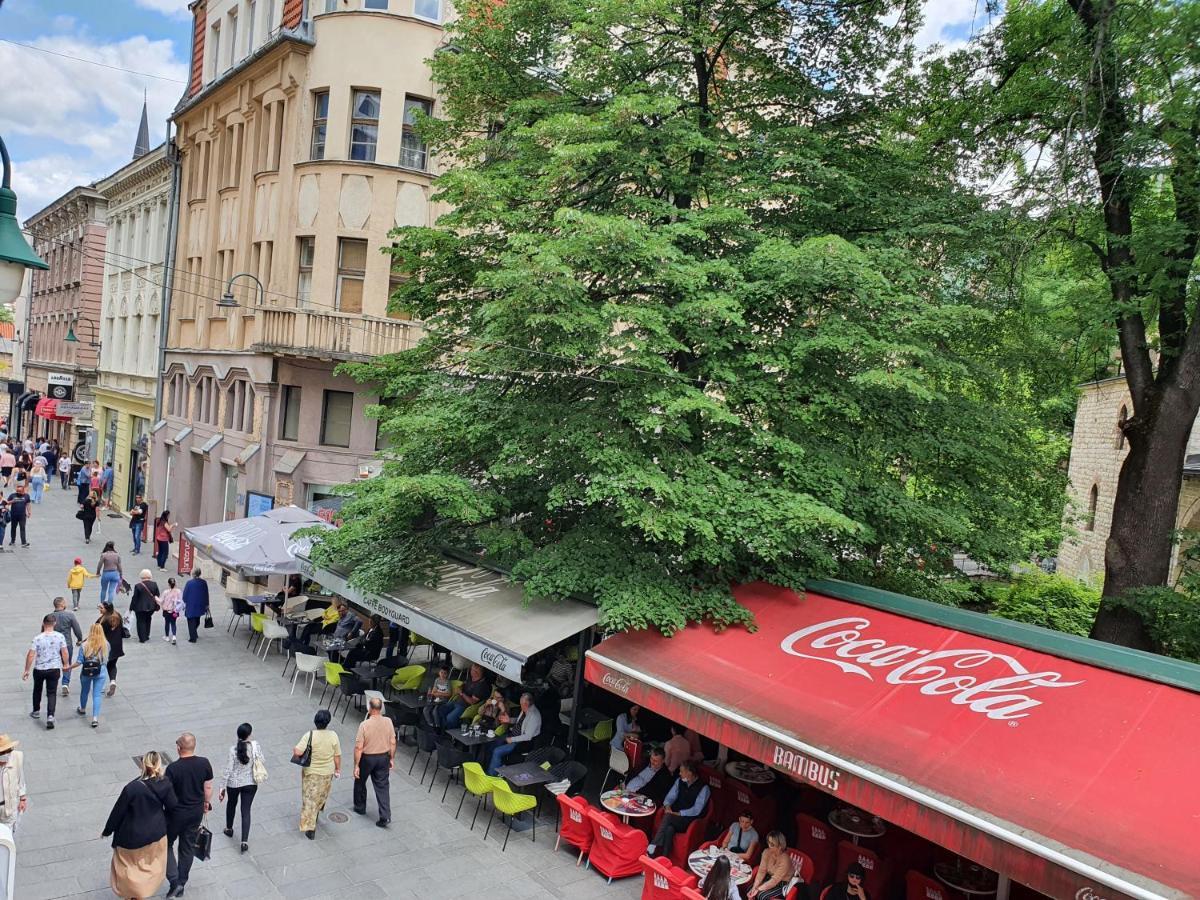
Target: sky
(68, 122)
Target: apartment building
(298, 157)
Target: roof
(141, 146)
(1063, 774)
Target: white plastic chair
(617, 762)
(310, 663)
(367, 695)
(292, 604)
(272, 631)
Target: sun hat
(7, 743)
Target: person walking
(8, 462)
(18, 514)
(87, 515)
(64, 470)
(138, 825)
(13, 798)
(47, 657)
(106, 483)
(90, 658)
(137, 522)
(109, 570)
(114, 632)
(67, 625)
(77, 577)
(374, 756)
(238, 781)
(143, 603)
(195, 604)
(171, 604)
(164, 536)
(96, 483)
(192, 778)
(324, 765)
(37, 481)
(83, 481)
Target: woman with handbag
(144, 603)
(138, 825)
(164, 536)
(115, 633)
(87, 515)
(244, 772)
(90, 658)
(319, 753)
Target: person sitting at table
(323, 625)
(439, 693)
(655, 780)
(718, 884)
(372, 645)
(348, 623)
(677, 749)
(488, 716)
(626, 725)
(741, 839)
(852, 888)
(685, 802)
(521, 730)
(775, 869)
(474, 690)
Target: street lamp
(227, 300)
(15, 253)
(71, 339)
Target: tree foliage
(701, 313)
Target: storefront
(124, 440)
(1061, 764)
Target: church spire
(142, 147)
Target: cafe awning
(989, 738)
(475, 612)
(259, 545)
(47, 408)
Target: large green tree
(1089, 110)
(700, 315)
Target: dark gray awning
(259, 545)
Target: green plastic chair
(600, 733)
(256, 626)
(509, 804)
(333, 677)
(408, 678)
(455, 688)
(476, 783)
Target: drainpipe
(164, 319)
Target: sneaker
(172, 639)
(228, 832)
(166, 637)
(81, 711)
(382, 823)
(49, 723)
(95, 723)
(36, 714)
(65, 690)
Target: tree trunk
(1141, 540)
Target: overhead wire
(91, 62)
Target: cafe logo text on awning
(811, 770)
(993, 684)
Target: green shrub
(1052, 601)
(1172, 617)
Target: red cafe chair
(804, 868)
(617, 849)
(815, 839)
(635, 751)
(574, 825)
(663, 880)
(922, 887)
(873, 864)
(685, 841)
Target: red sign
(187, 556)
(1033, 765)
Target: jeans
(143, 625)
(109, 581)
(13, 525)
(48, 678)
(162, 549)
(66, 676)
(75, 592)
(94, 684)
(500, 752)
(451, 714)
(374, 766)
(665, 837)
(36, 486)
(169, 625)
(246, 794)
(184, 830)
(136, 531)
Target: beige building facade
(297, 160)
(1098, 450)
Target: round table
(749, 772)
(701, 863)
(627, 804)
(968, 877)
(857, 824)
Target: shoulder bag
(304, 758)
(203, 841)
(258, 769)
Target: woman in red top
(164, 536)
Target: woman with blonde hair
(91, 657)
(138, 825)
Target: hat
(7, 743)
(78, 561)
(855, 869)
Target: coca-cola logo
(616, 683)
(494, 659)
(1000, 691)
(1088, 893)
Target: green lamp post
(15, 253)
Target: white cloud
(174, 9)
(68, 122)
(943, 15)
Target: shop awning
(475, 612)
(47, 408)
(259, 545)
(1072, 778)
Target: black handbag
(208, 621)
(304, 758)
(203, 841)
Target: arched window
(1093, 499)
(1122, 418)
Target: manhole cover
(340, 817)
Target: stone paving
(74, 773)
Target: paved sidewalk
(74, 773)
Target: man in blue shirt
(195, 604)
(685, 802)
(653, 781)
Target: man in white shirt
(47, 657)
(527, 726)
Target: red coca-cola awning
(47, 408)
(1019, 748)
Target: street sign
(187, 556)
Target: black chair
(571, 771)
(426, 743)
(551, 755)
(450, 758)
(351, 687)
(402, 717)
(240, 610)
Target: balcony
(298, 332)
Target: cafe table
(525, 774)
(856, 823)
(968, 877)
(411, 699)
(373, 672)
(749, 772)
(701, 862)
(627, 804)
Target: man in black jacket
(192, 778)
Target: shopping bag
(203, 841)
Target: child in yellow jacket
(76, 578)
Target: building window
(214, 41)
(336, 413)
(1093, 499)
(233, 47)
(304, 280)
(320, 119)
(231, 488)
(1122, 418)
(396, 312)
(261, 264)
(413, 152)
(382, 439)
(375, 4)
(289, 422)
(331, 5)
(352, 268)
(428, 9)
(364, 125)
(250, 4)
